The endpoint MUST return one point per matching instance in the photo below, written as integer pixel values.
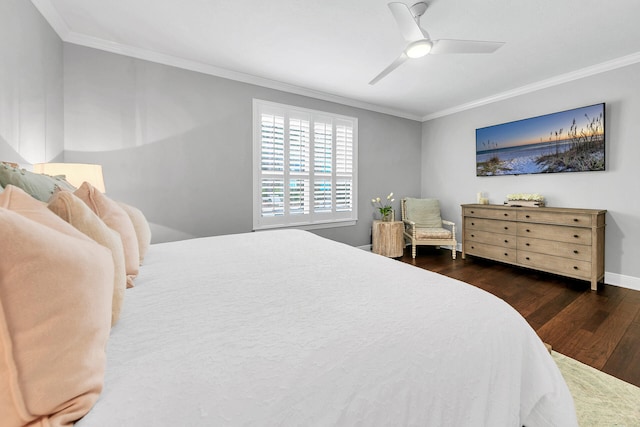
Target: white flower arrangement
(535, 197)
(385, 209)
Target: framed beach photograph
(567, 141)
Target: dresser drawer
(496, 239)
(491, 225)
(490, 251)
(558, 233)
(561, 218)
(509, 214)
(554, 264)
(551, 247)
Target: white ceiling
(331, 49)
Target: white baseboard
(622, 281)
(364, 247)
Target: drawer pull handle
(528, 244)
(473, 235)
(575, 252)
(576, 236)
(473, 223)
(506, 254)
(506, 228)
(527, 258)
(473, 247)
(506, 214)
(473, 211)
(528, 231)
(527, 216)
(506, 241)
(575, 267)
(575, 220)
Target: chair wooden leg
(413, 250)
(453, 252)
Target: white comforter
(285, 328)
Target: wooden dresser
(564, 241)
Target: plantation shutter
(304, 166)
(344, 167)
(272, 164)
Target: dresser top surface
(540, 209)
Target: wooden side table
(387, 238)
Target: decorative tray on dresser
(564, 241)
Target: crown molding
(64, 32)
(62, 29)
(52, 16)
(613, 64)
(160, 58)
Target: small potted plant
(385, 209)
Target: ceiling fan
(420, 44)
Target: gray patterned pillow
(39, 186)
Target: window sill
(316, 226)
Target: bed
(284, 328)
(268, 328)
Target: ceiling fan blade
(395, 64)
(409, 28)
(463, 46)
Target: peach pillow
(78, 214)
(55, 312)
(117, 219)
(141, 225)
(17, 200)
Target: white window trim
(314, 220)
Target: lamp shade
(75, 173)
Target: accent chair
(423, 225)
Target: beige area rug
(601, 400)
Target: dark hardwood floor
(600, 329)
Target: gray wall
(31, 112)
(448, 162)
(178, 144)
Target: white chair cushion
(432, 233)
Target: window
(304, 167)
